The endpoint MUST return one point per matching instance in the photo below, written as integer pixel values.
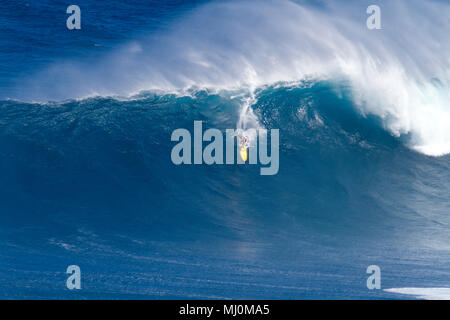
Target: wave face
(91, 182)
(364, 120)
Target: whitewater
(399, 73)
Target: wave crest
(400, 73)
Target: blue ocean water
(86, 176)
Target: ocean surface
(86, 176)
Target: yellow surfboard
(243, 154)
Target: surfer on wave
(243, 143)
(243, 140)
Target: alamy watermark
(374, 20)
(374, 280)
(74, 280)
(74, 20)
(252, 143)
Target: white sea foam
(424, 293)
(400, 73)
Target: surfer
(243, 143)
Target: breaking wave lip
(401, 77)
(423, 293)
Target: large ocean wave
(91, 181)
(364, 120)
(399, 73)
